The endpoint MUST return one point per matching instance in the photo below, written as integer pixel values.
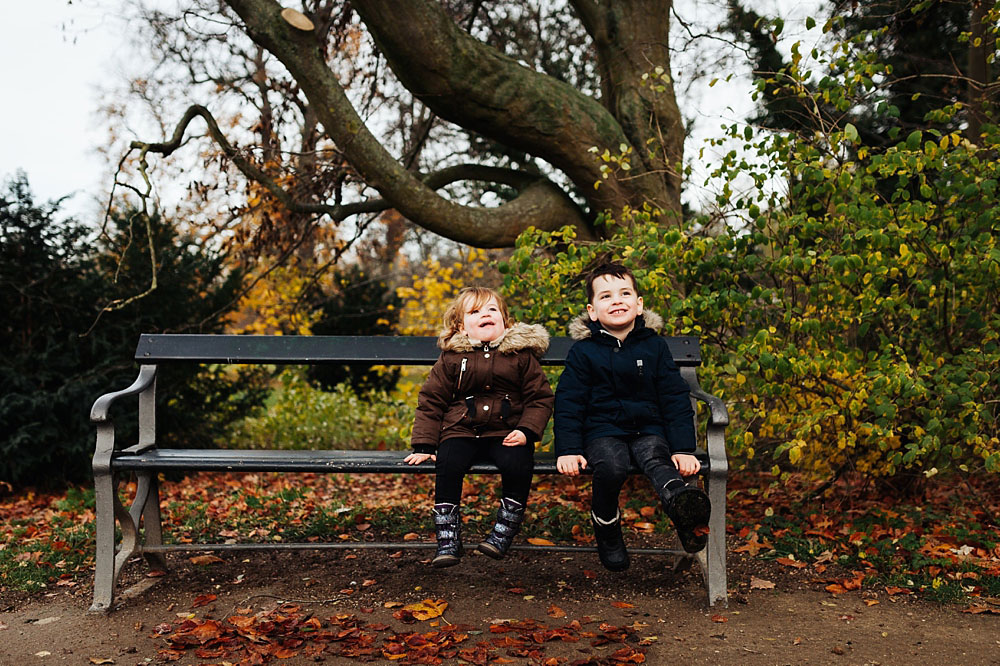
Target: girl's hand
(685, 463)
(571, 465)
(417, 458)
(515, 438)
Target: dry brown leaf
(760, 584)
(411, 536)
(555, 611)
(622, 604)
(206, 559)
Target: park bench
(141, 532)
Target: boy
(620, 399)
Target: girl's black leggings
(456, 456)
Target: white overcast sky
(55, 54)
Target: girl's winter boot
(510, 515)
(448, 530)
(610, 544)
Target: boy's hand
(571, 465)
(515, 438)
(417, 458)
(685, 463)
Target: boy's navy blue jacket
(613, 388)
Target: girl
(486, 399)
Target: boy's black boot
(510, 515)
(689, 508)
(610, 544)
(448, 530)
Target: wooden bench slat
(265, 460)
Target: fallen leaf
(555, 611)
(643, 527)
(871, 602)
(587, 573)
(647, 511)
(101, 660)
(538, 541)
(392, 604)
(976, 610)
(206, 559)
(789, 562)
(622, 604)
(891, 590)
(156, 573)
(361, 527)
(411, 536)
(203, 600)
(719, 618)
(427, 609)
(760, 584)
(516, 590)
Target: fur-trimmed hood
(519, 337)
(582, 327)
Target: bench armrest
(99, 412)
(719, 414)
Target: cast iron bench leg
(104, 569)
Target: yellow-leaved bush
(851, 323)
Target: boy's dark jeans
(609, 458)
(455, 457)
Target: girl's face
(483, 323)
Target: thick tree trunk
(469, 83)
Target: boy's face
(483, 323)
(615, 304)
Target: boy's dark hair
(610, 268)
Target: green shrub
(299, 416)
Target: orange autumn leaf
(720, 618)
(647, 511)
(538, 541)
(555, 611)
(411, 536)
(203, 600)
(643, 527)
(789, 562)
(622, 604)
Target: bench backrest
(338, 349)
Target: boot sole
(690, 508)
(445, 561)
(490, 551)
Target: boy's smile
(484, 323)
(616, 304)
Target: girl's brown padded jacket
(485, 390)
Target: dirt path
(645, 611)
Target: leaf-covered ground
(852, 547)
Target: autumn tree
(547, 101)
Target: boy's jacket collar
(582, 327)
(519, 337)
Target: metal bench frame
(140, 522)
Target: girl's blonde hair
(470, 298)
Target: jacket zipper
(461, 372)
